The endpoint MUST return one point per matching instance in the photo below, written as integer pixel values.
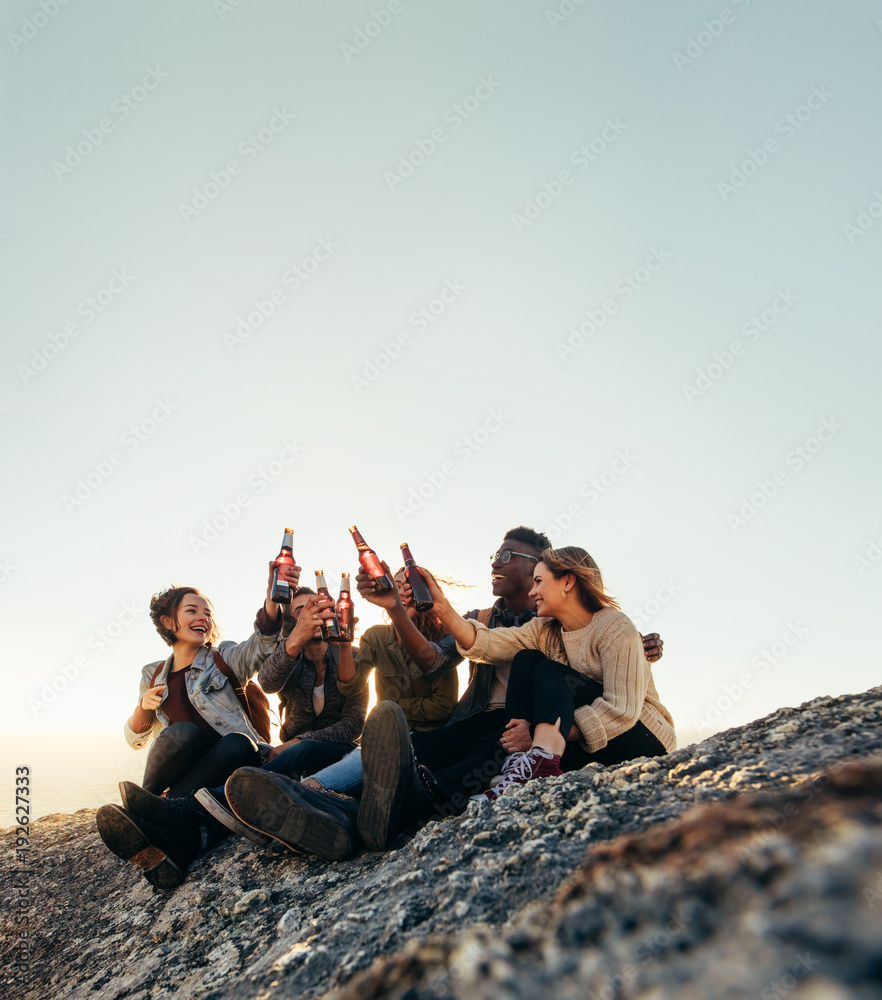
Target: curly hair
(526, 536)
(165, 604)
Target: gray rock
(746, 865)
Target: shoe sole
(124, 838)
(215, 809)
(385, 747)
(262, 805)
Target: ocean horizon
(68, 771)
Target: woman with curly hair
(188, 712)
(580, 684)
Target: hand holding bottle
(289, 574)
(365, 583)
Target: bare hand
(364, 583)
(275, 751)
(152, 698)
(652, 646)
(306, 624)
(290, 574)
(516, 736)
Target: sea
(67, 771)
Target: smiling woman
(191, 713)
(188, 709)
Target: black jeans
(540, 690)
(464, 755)
(183, 759)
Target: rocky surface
(747, 865)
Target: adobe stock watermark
(779, 988)
(562, 12)
(464, 449)
(590, 491)
(32, 25)
(130, 440)
(7, 570)
(872, 556)
(664, 594)
(224, 7)
(257, 483)
(760, 664)
(696, 45)
(218, 181)
(95, 644)
(752, 330)
(624, 289)
(88, 311)
(582, 157)
(795, 461)
(417, 322)
(866, 218)
(873, 894)
(121, 108)
(365, 33)
(292, 278)
(787, 126)
(455, 116)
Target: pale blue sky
(158, 355)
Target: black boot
(302, 818)
(396, 791)
(162, 811)
(162, 852)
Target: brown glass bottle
(422, 599)
(281, 592)
(330, 626)
(345, 610)
(370, 562)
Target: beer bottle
(345, 611)
(281, 592)
(330, 626)
(422, 599)
(370, 563)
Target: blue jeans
(345, 776)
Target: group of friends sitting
(559, 677)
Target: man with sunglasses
(455, 762)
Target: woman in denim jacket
(188, 713)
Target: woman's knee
(526, 658)
(237, 744)
(180, 734)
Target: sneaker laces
(518, 767)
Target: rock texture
(747, 865)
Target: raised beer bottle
(281, 592)
(422, 599)
(330, 627)
(345, 610)
(370, 563)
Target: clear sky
(607, 269)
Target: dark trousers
(540, 690)
(183, 759)
(463, 756)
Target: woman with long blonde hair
(579, 678)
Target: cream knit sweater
(609, 650)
